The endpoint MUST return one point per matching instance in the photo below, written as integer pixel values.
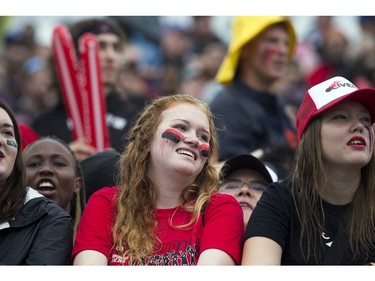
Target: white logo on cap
(336, 87)
(337, 84)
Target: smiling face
(184, 158)
(347, 136)
(51, 169)
(8, 145)
(267, 56)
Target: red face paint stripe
(205, 149)
(172, 135)
(269, 53)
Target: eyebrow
(188, 122)
(7, 125)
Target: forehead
(4, 117)
(47, 147)
(186, 111)
(275, 28)
(349, 105)
(109, 38)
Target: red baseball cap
(329, 93)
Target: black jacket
(41, 234)
(248, 120)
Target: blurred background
(166, 54)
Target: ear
(77, 185)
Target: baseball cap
(245, 29)
(329, 93)
(248, 161)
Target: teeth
(45, 184)
(356, 142)
(245, 205)
(185, 152)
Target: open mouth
(46, 188)
(187, 152)
(245, 205)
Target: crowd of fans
(161, 58)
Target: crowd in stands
(199, 128)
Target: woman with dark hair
(324, 213)
(166, 209)
(33, 230)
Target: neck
(169, 189)
(341, 187)
(257, 81)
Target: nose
(281, 46)
(192, 140)
(45, 169)
(358, 126)
(108, 53)
(245, 190)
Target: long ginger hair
(135, 224)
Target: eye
(117, 47)
(181, 127)
(258, 187)
(59, 164)
(339, 117)
(32, 164)
(102, 45)
(9, 133)
(231, 185)
(204, 137)
(366, 120)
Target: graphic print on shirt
(327, 239)
(172, 257)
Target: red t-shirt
(221, 227)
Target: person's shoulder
(281, 189)
(219, 199)
(107, 193)
(282, 185)
(222, 96)
(37, 205)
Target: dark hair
(13, 189)
(96, 26)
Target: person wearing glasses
(246, 177)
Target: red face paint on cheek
(205, 149)
(172, 135)
(269, 53)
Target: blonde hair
(135, 224)
(307, 188)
